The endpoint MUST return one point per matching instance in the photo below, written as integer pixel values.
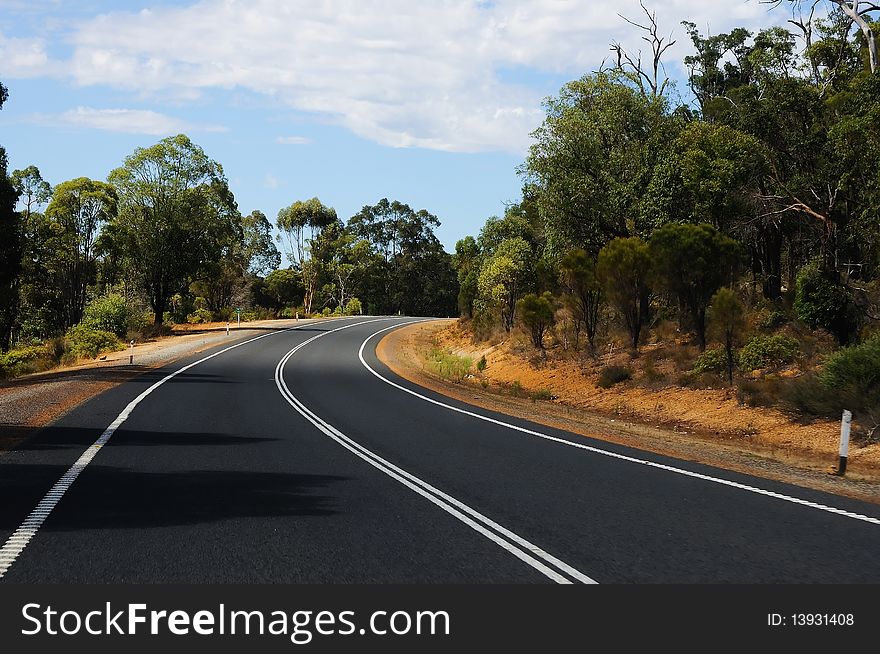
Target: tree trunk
(700, 326)
(728, 347)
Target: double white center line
(528, 552)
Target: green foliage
(821, 301)
(20, 360)
(504, 277)
(854, 372)
(692, 262)
(353, 307)
(481, 364)
(447, 365)
(611, 375)
(108, 313)
(176, 216)
(624, 267)
(583, 292)
(84, 342)
(726, 318)
(592, 159)
(712, 360)
(537, 314)
(768, 352)
(201, 316)
(774, 319)
(849, 380)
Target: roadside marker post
(227, 328)
(238, 316)
(130, 355)
(845, 424)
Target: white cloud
(24, 57)
(401, 73)
(131, 121)
(293, 140)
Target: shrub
(353, 307)
(20, 360)
(714, 360)
(108, 313)
(821, 301)
(773, 320)
(481, 364)
(85, 342)
(326, 312)
(850, 380)
(611, 375)
(199, 316)
(536, 313)
(768, 352)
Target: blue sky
(430, 103)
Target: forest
(742, 225)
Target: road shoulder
(402, 351)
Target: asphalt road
(285, 459)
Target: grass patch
(447, 365)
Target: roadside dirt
(706, 426)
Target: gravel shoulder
(403, 351)
(34, 401)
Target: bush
(768, 352)
(611, 375)
(774, 319)
(326, 312)
(85, 342)
(714, 360)
(20, 360)
(108, 313)
(536, 313)
(821, 301)
(481, 364)
(850, 380)
(353, 307)
(199, 317)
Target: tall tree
(466, 261)
(592, 158)
(416, 276)
(10, 248)
(176, 213)
(32, 189)
(79, 208)
(301, 224)
(505, 277)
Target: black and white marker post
(845, 424)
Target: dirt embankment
(705, 425)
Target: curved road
(298, 457)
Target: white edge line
(446, 502)
(615, 455)
(16, 543)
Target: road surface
(297, 457)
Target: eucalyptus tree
(176, 214)
(78, 209)
(301, 224)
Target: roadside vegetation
(731, 242)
